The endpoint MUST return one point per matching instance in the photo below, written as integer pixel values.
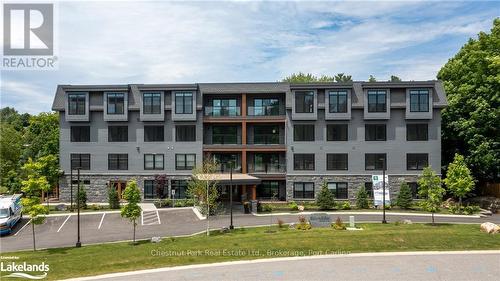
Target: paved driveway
(61, 231)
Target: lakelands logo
(19, 269)
(28, 36)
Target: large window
(267, 189)
(375, 161)
(116, 103)
(185, 133)
(224, 135)
(377, 101)
(185, 161)
(117, 161)
(417, 132)
(336, 161)
(417, 161)
(80, 133)
(265, 107)
(153, 133)
(304, 132)
(339, 189)
(154, 161)
(303, 162)
(183, 102)
(81, 161)
(149, 189)
(337, 101)
(76, 104)
(151, 103)
(375, 132)
(419, 101)
(336, 132)
(266, 134)
(304, 102)
(180, 187)
(117, 133)
(224, 107)
(303, 190)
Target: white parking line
(101, 221)
(22, 227)
(159, 221)
(63, 223)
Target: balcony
(271, 110)
(222, 111)
(267, 139)
(268, 168)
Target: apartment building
(285, 139)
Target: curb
(371, 213)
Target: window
(76, 104)
(81, 161)
(369, 188)
(375, 161)
(266, 134)
(149, 189)
(180, 187)
(337, 101)
(80, 133)
(303, 132)
(151, 103)
(419, 101)
(116, 103)
(224, 135)
(303, 162)
(224, 107)
(153, 133)
(417, 132)
(267, 189)
(185, 161)
(265, 107)
(338, 189)
(375, 132)
(117, 133)
(117, 161)
(336, 161)
(377, 101)
(303, 190)
(304, 102)
(414, 189)
(417, 161)
(185, 133)
(184, 103)
(336, 132)
(153, 161)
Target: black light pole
(231, 226)
(71, 190)
(383, 191)
(78, 243)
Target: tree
(12, 117)
(42, 136)
(300, 78)
(132, 210)
(372, 79)
(82, 197)
(431, 191)
(32, 188)
(459, 180)
(341, 77)
(362, 198)
(394, 78)
(113, 199)
(325, 199)
(46, 166)
(10, 152)
(201, 181)
(470, 122)
(404, 199)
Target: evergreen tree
(404, 199)
(325, 198)
(362, 198)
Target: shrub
(303, 224)
(471, 209)
(113, 199)
(404, 199)
(293, 206)
(267, 208)
(95, 207)
(344, 205)
(362, 198)
(82, 198)
(454, 208)
(180, 203)
(338, 224)
(325, 199)
(281, 223)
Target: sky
(190, 42)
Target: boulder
(407, 221)
(155, 239)
(490, 227)
(61, 207)
(292, 225)
(485, 212)
(301, 208)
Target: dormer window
(419, 101)
(184, 103)
(76, 104)
(304, 102)
(377, 101)
(151, 103)
(337, 101)
(116, 103)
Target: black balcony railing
(220, 111)
(270, 110)
(268, 168)
(267, 139)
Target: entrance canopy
(224, 179)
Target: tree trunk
(134, 231)
(33, 230)
(432, 218)
(460, 202)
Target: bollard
(351, 222)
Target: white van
(11, 212)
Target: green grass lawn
(253, 243)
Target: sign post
(378, 190)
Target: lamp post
(71, 190)
(208, 210)
(231, 226)
(78, 243)
(383, 190)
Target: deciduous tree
(32, 188)
(459, 180)
(132, 210)
(431, 191)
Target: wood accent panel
(254, 192)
